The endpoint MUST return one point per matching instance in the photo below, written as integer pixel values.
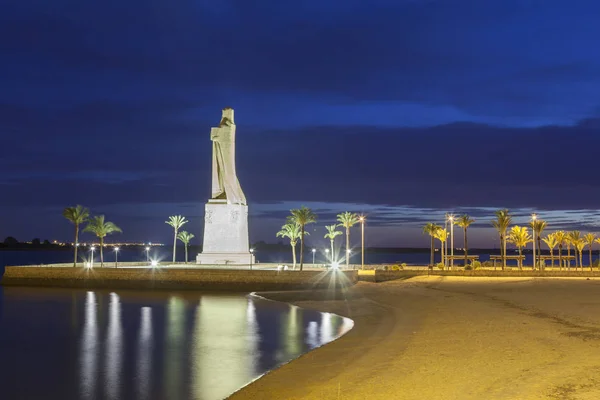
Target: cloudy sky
(401, 109)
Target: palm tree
(501, 223)
(101, 229)
(551, 242)
(519, 236)
(576, 240)
(430, 229)
(538, 226)
(185, 237)
(580, 245)
(77, 215)
(302, 216)
(347, 220)
(598, 241)
(560, 238)
(176, 221)
(464, 221)
(291, 230)
(441, 234)
(589, 239)
(331, 234)
(568, 242)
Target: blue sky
(400, 109)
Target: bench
(496, 258)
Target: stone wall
(162, 278)
(382, 276)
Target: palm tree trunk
(174, 245)
(293, 255)
(552, 257)
(568, 256)
(186, 253)
(520, 259)
(101, 251)
(590, 249)
(347, 247)
(331, 240)
(76, 243)
(431, 260)
(539, 250)
(560, 257)
(581, 260)
(302, 249)
(503, 253)
(466, 248)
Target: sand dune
(451, 338)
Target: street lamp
(451, 219)
(251, 254)
(116, 257)
(362, 241)
(92, 260)
(533, 219)
(314, 251)
(147, 253)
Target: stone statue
(225, 184)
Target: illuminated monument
(226, 213)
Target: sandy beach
(450, 338)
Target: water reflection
(230, 341)
(114, 348)
(224, 354)
(89, 349)
(144, 363)
(174, 351)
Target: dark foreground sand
(451, 338)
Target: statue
(225, 184)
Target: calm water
(77, 344)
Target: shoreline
(448, 338)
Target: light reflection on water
(132, 345)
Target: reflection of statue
(225, 184)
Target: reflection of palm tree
(77, 215)
(589, 238)
(347, 220)
(176, 221)
(185, 237)
(560, 238)
(430, 229)
(291, 231)
(464, 221)
(501, 223)
(100, 228)
(551, 242)
(519, 236)
(441, 235)
(302, 217)
(331, 234)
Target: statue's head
(228, 113)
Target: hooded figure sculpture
(225, 184)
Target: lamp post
(147, 253)
(327, 256)
(314, 251)
(533, 219)
(451, 218)
(116, 257)
(92, 259)
(251, 254)
(445, 244)
(362, 241)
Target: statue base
(225, 234)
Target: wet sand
(450, 338)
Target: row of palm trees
(294, 229)
(519, 236)
(177, 221)
(97, 225)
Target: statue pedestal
(225, 234)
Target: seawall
(383, 276)
(176, 279)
